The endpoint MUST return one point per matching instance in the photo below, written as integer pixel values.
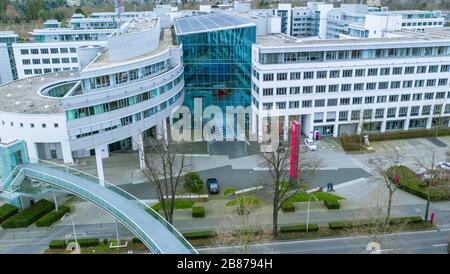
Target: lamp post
(307, 214)
(73, 227)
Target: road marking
(438, 245)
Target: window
(65, 60)
(281, 76)
(334, 73)
(417, 96)
(419, 83)
(55, 125)
(63, 50)
(44, 125)
(367, 114)
(346, 87)
(360, 72)
(407, 84)
(294, 104)
(307, 103)
(347, 73)
(133, 74)
(391, 112)
(47, 70)
(296, 75)
(121, 77)
(397, 70)
(267, 106)
(46, 61)
(320, 89)
(294, 90)
(333, 88)
(308, 89)
(319, 103)
(403, 111)
(429, 96)
(31, 125)
(372, 72)
(381, 99)
(357, 100)
(385, 71)
(280, 105)
(100, 81)
(395, 84)
(431, 82)
(55, 61)
(369, 100)
(36, 61)
(356, 114)
(445, 68)
(433, 69)
(447, 108)
(73, 50)
(321, 74)
(28, 72)
(421, 69)
(426, 110)
(24, 52)
(358, 86)
(281, 91)
(437, 109)
(74, 60)
(383, 85)
(379, 113)
(409, 70)
(44, 51)
(34, 51)
(37, 71)
(345, 101)
(308, 75)
(54, 51)
(415, 110)
(267, 91)
(405, 97)
(332, 102)
(440, 95)
(26, 61)
(268, 77)
(442, 82)
(371, 86)
(343, 115)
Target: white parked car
(310, 144)
(444, 165)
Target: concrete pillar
(406, 124)
(164, 128)
(138, 141)
(429, 122)
(159, 130)
(99, 161)
(260, 128)
(307, 125)
(67, 153)
(383, 126)
(254, 122)
(32, 152)
(335, 130)
(286, 127)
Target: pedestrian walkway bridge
(154, 231)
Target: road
(422, 242)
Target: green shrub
(229, 191)
(193, 182)
(200, 235)
(105, 241)
(332, 204)
(136, 241)
(29, 215)
(179, 204)
(7, 211)
(87, 242)
(198, 211)
(338, 225)
(57, 244)
(288, 207)
(346, 224)
(406, 220)
(299, 228)
(53, 216)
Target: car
(212, 185)
(444, 165)
(310, 144)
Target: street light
(73, 226)
(307, 214)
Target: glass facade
(217, 66)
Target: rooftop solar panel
(207, 22)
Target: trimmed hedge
(288, 207)
(51, 217)
(299, 228)
(7, 211)
(393, 221)
(200, 235)
(29, 215)
(57, 244)
(198, 211)
(332, 204)
(87, 242)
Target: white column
(141, 151)
(260, 128)
(286, 127)
(32, 152)
(383, 126)
(159, 130)
(164, 127)
(254, 122)
(406, 124)
(429, 122)
(99, 162)
(335, 130)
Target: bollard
(432, 218)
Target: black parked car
(212, 185)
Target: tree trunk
(388, 212)
(275, 214)
(427, 208)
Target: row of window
(47, 61)
(47, 51)
(349, 73)
(46, 70)
(351, 87)
(410, 24)
(125, 76)
(122, 103)
(366, 100)
(124, 121)
(31, 125)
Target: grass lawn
(179, 204)
(409, 182)
(247, 200)
(321, 196)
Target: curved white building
(122, 91)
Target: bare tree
(277, 162)
(386, 170)
(165, 166)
